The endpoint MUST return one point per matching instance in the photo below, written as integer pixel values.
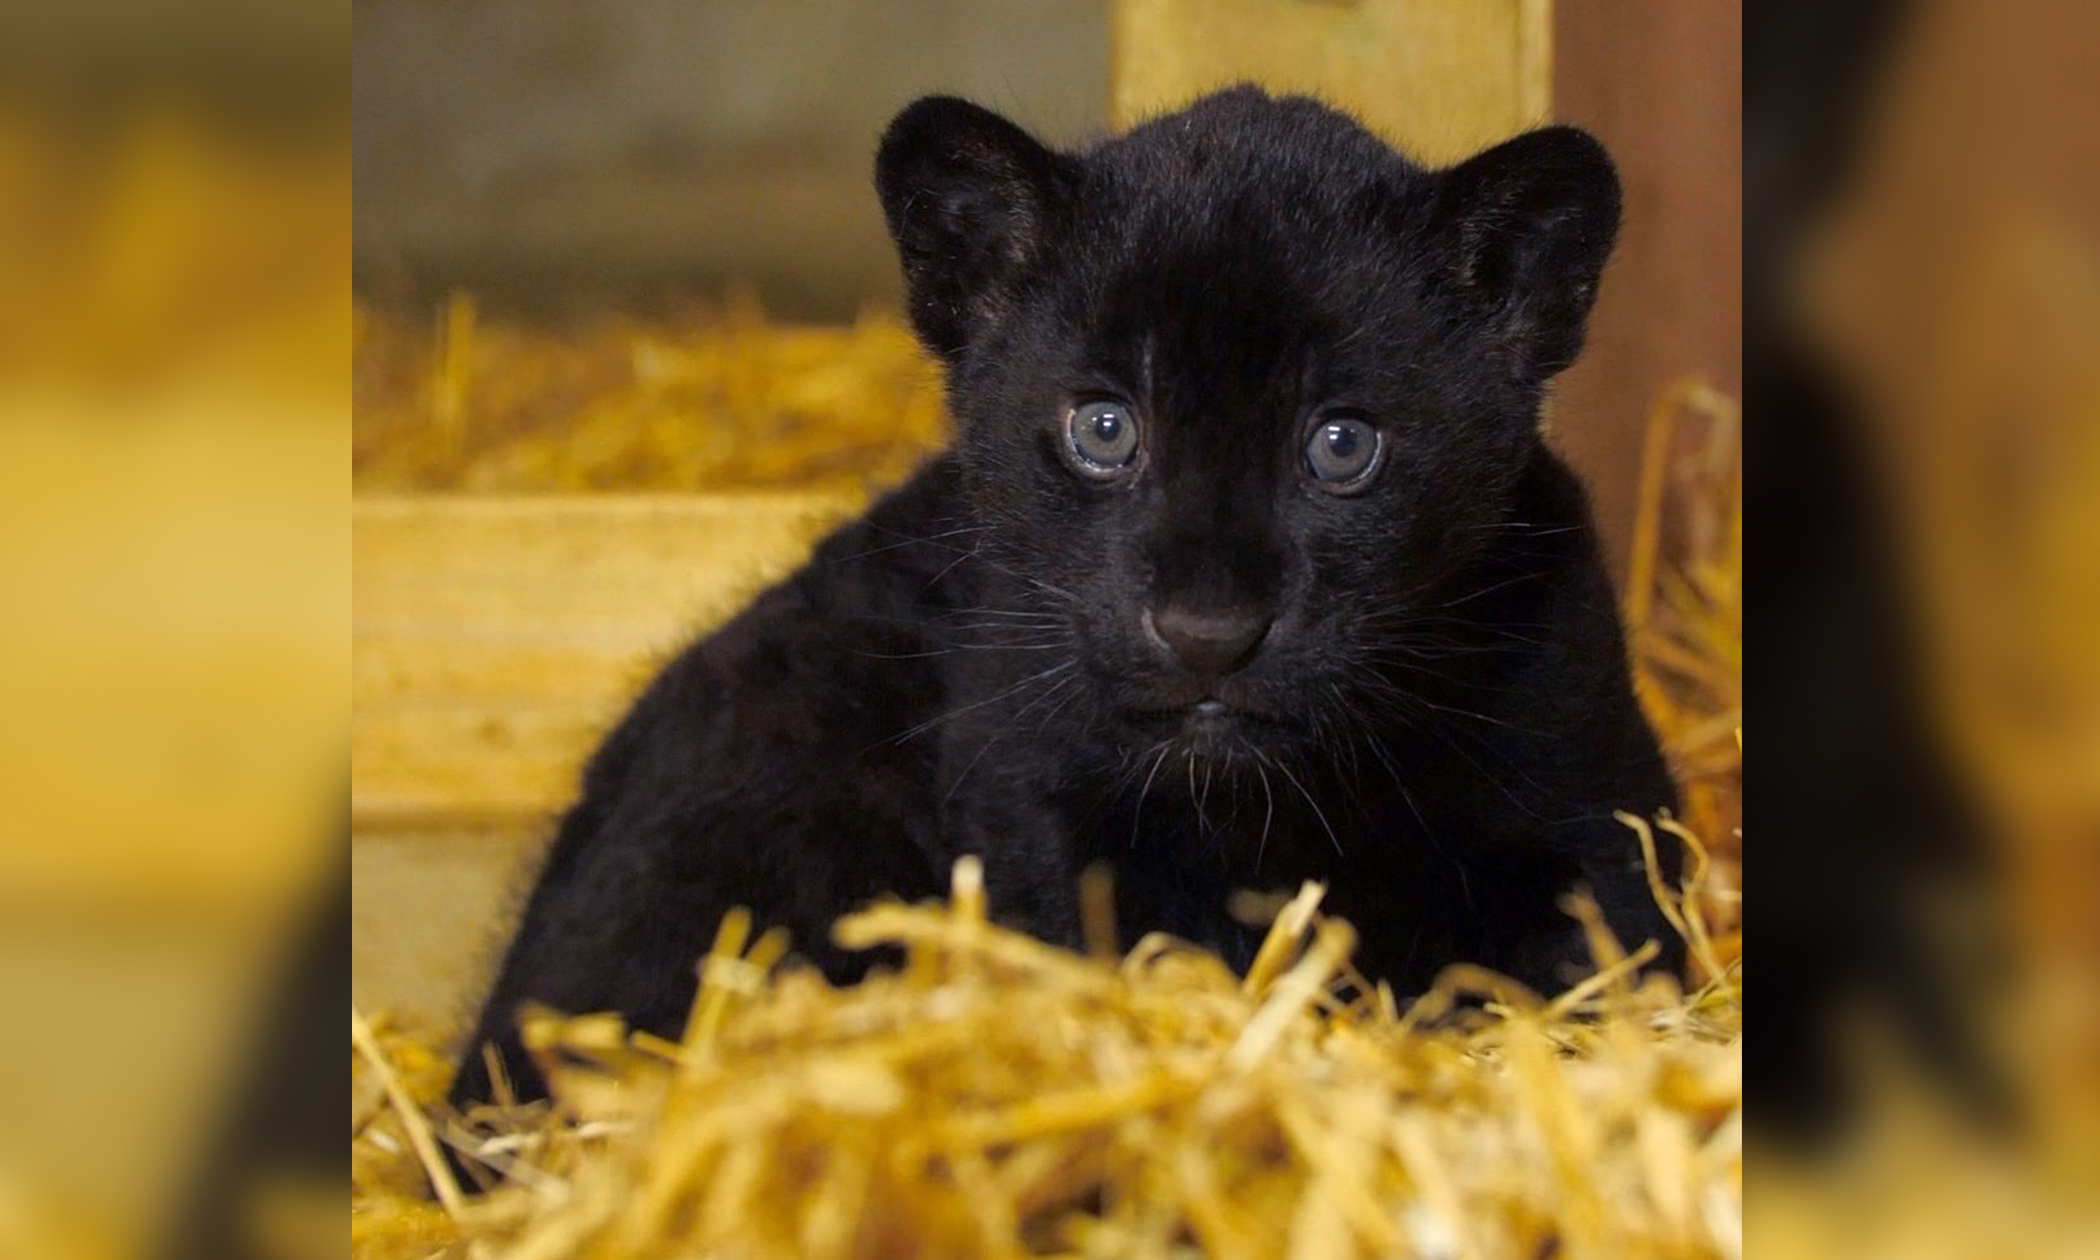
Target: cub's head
(1239, 393)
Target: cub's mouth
(1215, 727)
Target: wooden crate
(493, 639)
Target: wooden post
(1438, 78)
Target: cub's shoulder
(850, 628)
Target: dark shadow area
(1863, 811)
(284, 1129)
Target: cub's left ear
(1529, 223)
(971, 201)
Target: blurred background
(174, 549)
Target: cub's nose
(1208, 642)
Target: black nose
(1209, 643)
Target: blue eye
(1341, 452)
(1103, 436)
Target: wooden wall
(1660, 82)
(1439, 79)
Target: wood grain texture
(1438, 78)
(494, 639)
(1660, 83)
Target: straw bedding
(996, 1096)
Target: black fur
(1438, 719)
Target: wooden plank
(1440, 78)
(1660, 83)
(493, 639)
(430, 912)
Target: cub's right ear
(971, 200)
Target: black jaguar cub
(1247, 566)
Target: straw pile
(1684, 614)
(719, 399)
(1001, 1097)
(996, 1096)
